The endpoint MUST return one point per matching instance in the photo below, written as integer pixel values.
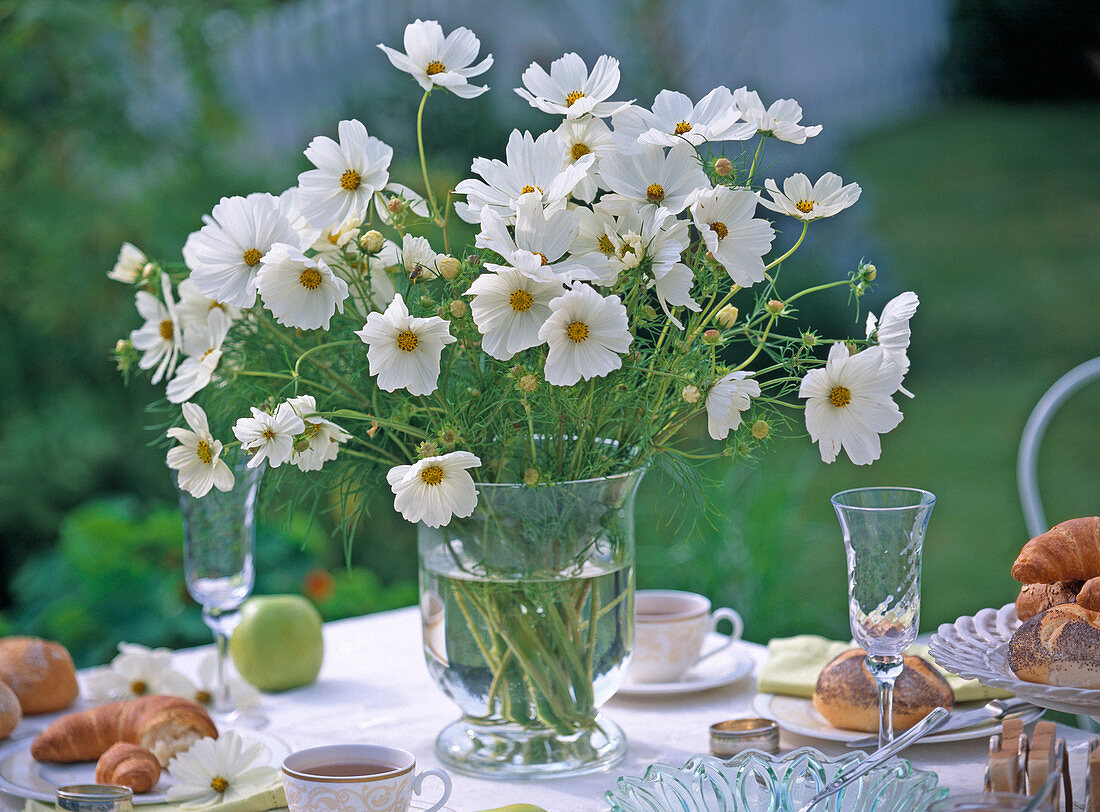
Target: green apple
(278, 645)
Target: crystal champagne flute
(219, 537)
(883, 537)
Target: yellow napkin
(795, 662)
(270, 797)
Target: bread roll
(1060, 646)
(11, 713)
(40, 672)
(1036, 598)
(129, 765)
(847, 696)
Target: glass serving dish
(755, 781)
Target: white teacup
(669, 629)
(356, 778)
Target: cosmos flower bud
(427, 302)
(690, 393)
(528, 383)
(727, 316)
(372, 241)
(775, 307)
(474, 260)
(723, 168)
(459, 308)
(648, 312)
(427, 449)
(711, 336)
(148, 269)
(869, 272)
(395, 205)
(531, 477)
(760, 429)
(448, 266)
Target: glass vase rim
(927, 498)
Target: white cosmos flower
(849, 404)
(598, 245)
(137, 671)
(727, 398)
(380, 269)
(241, 694)
(129, 265)
(348, 174)
(531, 166)
(586, 136)
(269, 436)
(780, 120)
(300, 291)
(545, 237)
(202, 344)
(290, 201)
(225, 253)
(217, 771)
(674, 120)
(438, 61)
(570, 90)
(403, 351)
(418, 257)
(332, 241)
(892, 330)
(799, 199)
(509, 307)
(197, 458)
(323, 436)
(402, 198)
(435, 488)
(650, 178)
(738, 241)
(160, 337)
(586, 333)
(194, 308)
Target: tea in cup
(356, 778)
(670, 628)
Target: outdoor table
(375, 688)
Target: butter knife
(996, 710)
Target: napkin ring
(729, 738)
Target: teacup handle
(418, 781)
(718, 615)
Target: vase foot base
(511, 752)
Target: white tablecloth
(374, 688)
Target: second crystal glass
(883, 536)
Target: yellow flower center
(804, 206)
(719, 229)
(626, 249)
(579, 151)
(682, 127)
(252, 257)
(521, 301)
(542, 258)
(407, 340)
(202, 450)
(530, 188)
(350, 180)
(205, 354)
(268, 434)
(310, 279)
(840, 397)
(219, 784)
(577, 332)
(605, 245)
(573, 96)
(655, 193)
(138, 687)
(432, 475)
(435, 66)
(166, 329)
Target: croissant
(129, 765)
(166, 725)
(1069, 551)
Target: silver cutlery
(995, 710)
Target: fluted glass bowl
(755, 781)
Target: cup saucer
(724, 668)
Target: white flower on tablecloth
(674, 120)
(299, 291)
(737, 240)
(727, 398)
(570, 90)
(509, 307)
(650, 178)
(241, 694)
(202, 344)
(587, 333)
(531, 166)
(224, 255)
(437, 61)
(891, 331)
(781, 120)
(322, 437)
(194, 308)
(216, 771)
(135, 671)
(197, 458)
(129, 265)
(403, 351)
(546, 237)
(811, 202)
(269, 436)
(348, 174)
(402, 197)
(435, 488)
(159, 339)
(849, 403)
(586, 136)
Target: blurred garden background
(972, 125)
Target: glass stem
(885, 669)
(221, 624)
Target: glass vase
(528, 620)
